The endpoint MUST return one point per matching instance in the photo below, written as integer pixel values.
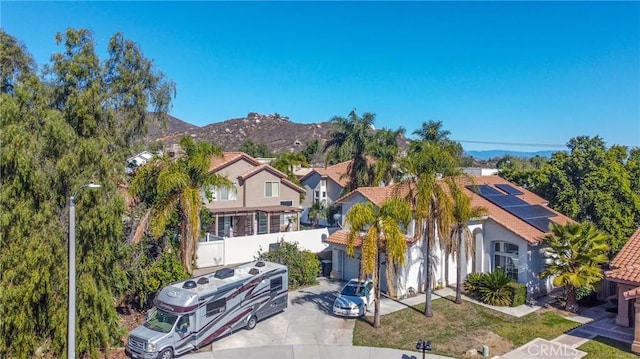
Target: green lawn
(456, 328)
(601, 347)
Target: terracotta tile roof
(341, 236)
(377, 195)
(630, 252)
(632, 293)
(275, 171)
(529, 233)
(338, 173)
(228, 158)
(626, 264)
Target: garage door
(351, 267)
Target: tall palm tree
(349, 140)
(286, 163)
(576, 253)
(382, 234)
(463, 212)
(422, 168)
(178, 187)
(432, 132)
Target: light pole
(71, 331)
(423, 345)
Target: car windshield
(353, 290)
(160, 321)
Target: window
(216, 307)
(271, 189)
(324, 194)
(224, 224)
(276, 284)
(224, 193)
(505, 257)
(261, 217)
(323, 183)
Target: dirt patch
(470, 344)
(129, 319)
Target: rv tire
(166, 354)
(251, 322)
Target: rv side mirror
(150, 313)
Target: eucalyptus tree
(462, 238)
(60, 131)
(383, 233)
(179, 185)
(575, 255)
(349, 139)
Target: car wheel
(251, 323)
(166, 354)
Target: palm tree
(432, 132)
(386, 153)
(177, 188)
(286, 163)
(575, 255)
(463, 212)
(349, 140)
(383, 234)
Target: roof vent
(189, 284)
(254, 271)
(224, 273)
(260, 264)
(203, 280)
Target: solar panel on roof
(540, 223)
(531, 211)
(505, 201)
(509, 189)
(485, 190)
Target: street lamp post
(71, 331)
(423, 345)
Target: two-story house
(323, 186)
(262, 199)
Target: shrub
(473, 283)
(494, 288)
(518, 293)
(304, 266)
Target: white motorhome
(192, 313)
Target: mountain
(490, 154)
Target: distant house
(506, 237)
(323, 186)
(625, 272)
(261, 201)
(138, 160)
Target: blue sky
(501, 72)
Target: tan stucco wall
(254, 191)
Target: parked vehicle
(193, 313)
(355, 298)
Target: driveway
(307, 320)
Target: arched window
(505, 257)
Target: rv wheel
(166, 354)
(251, 323)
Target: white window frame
(269, 187)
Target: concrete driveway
(308, 321)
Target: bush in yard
(304, 266)
(472, 284)
(494, 288)
(518, 293)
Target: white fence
(226, 251)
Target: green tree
(259, 150)
(591, 183)
(462, 212)
(383, 233)
(311, 148)
(286, 163)
(385, 152)
(178, 187)
(56, 136)
(349, 139)
(303, 265)
(576, 252)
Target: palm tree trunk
(572, 299)
(428, 311)
(459, 269)
(185, 253)
(376, 312)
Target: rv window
(216, 307)
(276, 283)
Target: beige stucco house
(261, 201)
(323, 186)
